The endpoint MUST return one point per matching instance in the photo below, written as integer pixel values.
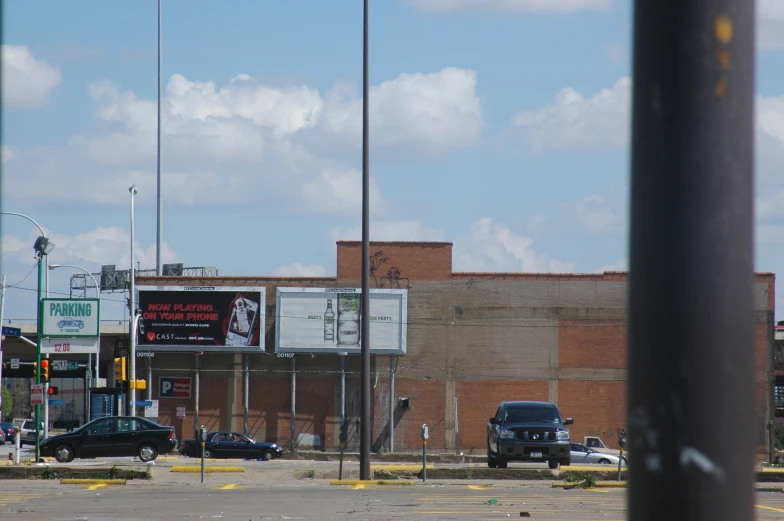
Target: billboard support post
(364, 441)
(197, 365)
(245, 398)
(293, 426)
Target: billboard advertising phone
(203, 318)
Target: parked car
(582, 454)
(113, 436)
(8, 431)
(528, 431)
(27, 430)
(231, 445)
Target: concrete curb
(182, 468)
(378, 482)
(77, 481)
(598, 484)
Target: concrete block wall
(479, 338)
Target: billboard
(202, 318)
(327, 320)
(70, 317)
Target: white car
(27, 430)
(582, 454)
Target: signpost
(78, 346)
(37, 394)
(59, 365)
(151, 411)
(174, 387)
(56, 402)
(180, 412)
(11, 331)
(14, 363)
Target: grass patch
(48, 473)
(587, 480)
(385, 474)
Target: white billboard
(70, 317)
(328, 320)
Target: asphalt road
(316, 500)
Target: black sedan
(231, 445)
(113, 436)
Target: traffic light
(120, 369)
(53, 391)
(138, 384)
(35, 371)
(44, 371)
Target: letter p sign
(166, 387)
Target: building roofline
(399, 243)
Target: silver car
(583, 455)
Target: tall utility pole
(132, 322)
(158, 251)
(364, 439)
(692, 311)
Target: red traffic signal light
(53, 391)
(44, 371)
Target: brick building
(474, 339)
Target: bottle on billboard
(243, 318)
(329, 322)
(348, 318)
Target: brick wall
(592, 344)
(414, 260)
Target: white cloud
(577, 122)
(771, 24)
(103, 245)
(245, 141)
(391, 231)
(621, 265)
(512, 6)
(299, 270)
(596, 215)
(439, 110)
(493, 247)
(341, 192)
(27, 82)
(7, 154)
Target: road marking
(228, 486)
(478, 487)
(96, 486)
(771, 508)
(183, 468)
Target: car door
(244, 448)
(223, 445)
(127, 437)
(580, 453)
(495, 430)
(97, 439)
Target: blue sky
(499, 125)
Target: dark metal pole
(158, 252)
(364, 439)
(691, 289)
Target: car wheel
(604, 461)
(501, 463)
(268, 455)
(147, 453)
(64, 454)
(565, 462)
(208, 454)
(552, 464)
(491, 462)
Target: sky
(499, 125)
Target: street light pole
(42, 249)
(364, 440)
(158, 252)
(132, 322)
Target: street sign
(69, 345)
(174, 387)
(180, 412)
(14, 363)
(151, 411)
(73, 365)
(55, 402)
(12, 331)
(59, 365)
(37, 394)
(143, 403)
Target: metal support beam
(293, 426)
(691, 317)
(365, 391)
(197, 370)
(245, 396)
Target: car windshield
(532, 415)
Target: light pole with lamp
(132, 322)
(98, 354)
(42, 247)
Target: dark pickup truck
(528, 431)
